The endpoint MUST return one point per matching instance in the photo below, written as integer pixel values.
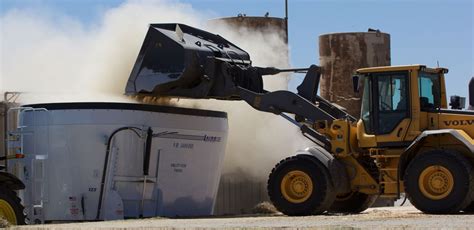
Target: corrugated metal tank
(340, 55)
(239, 193)
(86, 161)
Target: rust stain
(340, 55)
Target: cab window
(392, 101)
(429, 91)
(366, 109)
(391, 91)
(386, 104)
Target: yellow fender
(421, 141)
(339, 177)
(11, 181)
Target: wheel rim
(296, 186)
(436, 182)
(7, 212)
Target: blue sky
(422, 32)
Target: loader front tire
(439, 182)
(353, 202)
(10, 207)
(298, 186)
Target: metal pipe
(295, 70)
(146, 164)
(146, 158)
(104, 172)
(273, 71)
(142, 204)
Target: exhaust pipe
(471, 94)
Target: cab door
(389, 115)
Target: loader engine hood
(172, 61)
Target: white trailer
(106, 161)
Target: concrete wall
(343, 53)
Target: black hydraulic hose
(104, 172)
(146, 158)
(311, 134)
(316, 137)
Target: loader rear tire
(10, 207)
(353, 202)
(298, 186)
(439, 182)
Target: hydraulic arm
(182, 61)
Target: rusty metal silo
(263, 24)
(341, 54)
(265, 38)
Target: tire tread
(318, 208)
(17, 206)
(443, 154)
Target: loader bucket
(172, 61)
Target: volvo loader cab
(399, 103)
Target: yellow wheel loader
(406, 141)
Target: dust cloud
(257, 140)
(57, 58)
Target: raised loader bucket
(173, 61)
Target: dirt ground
(373, 218)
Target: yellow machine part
(436, 182)
(296, 186)
(360, 178)
(340, 137)
(387, 161)
(459, 122)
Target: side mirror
(355, 83)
